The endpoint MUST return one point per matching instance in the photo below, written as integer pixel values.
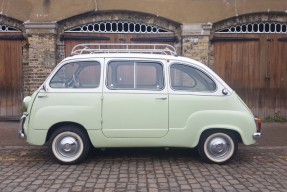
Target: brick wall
(196, 42)
(196, 47)
(41, 61)
(41, 53)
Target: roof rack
(91, 48)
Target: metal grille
(257, 28)
(118, 27)
(5, 28)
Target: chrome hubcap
(218, 146)
(68, 146)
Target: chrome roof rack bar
(91, 48)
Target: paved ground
(262, 167)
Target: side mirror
(225, 91)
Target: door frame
(160, 99)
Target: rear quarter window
(188, 78)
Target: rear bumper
(21, 132)
(256, 136)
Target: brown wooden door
(71, 40)
(10, 78)
(255, 66)
(277, 72)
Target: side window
(84, 74)
(187, 78)
(135, 75)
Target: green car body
(139, 112)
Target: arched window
(118, 27)
(258, 27)
(6, 28)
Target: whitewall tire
(69, 145)
(218, 146)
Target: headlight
(26, 101)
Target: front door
(135, 100)
(72, 95)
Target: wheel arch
(241, 123)
(54, 127)
(214, 130)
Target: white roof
(133, 55)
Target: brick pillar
(195, 42)
(41, 42)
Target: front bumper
(21, 132)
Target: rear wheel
(69, 145)
(217, 146)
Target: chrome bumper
(256, 136)
(21, 133)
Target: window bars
(262, 27)
(6, 28)
(91, 48)
(118, 27)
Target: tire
(69, 145)
(218, 147)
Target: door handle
(161, 98)
(41, 95)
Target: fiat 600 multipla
(135, 95)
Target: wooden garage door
(255, 66)
(10, 76)
(73, 39)
(118, 32)
(123, 32)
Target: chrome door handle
(41, 95)
(162, 98)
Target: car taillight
(258, 124)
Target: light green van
(136, 96)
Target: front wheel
(217, 146)
(69, 145)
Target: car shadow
(144, 153)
